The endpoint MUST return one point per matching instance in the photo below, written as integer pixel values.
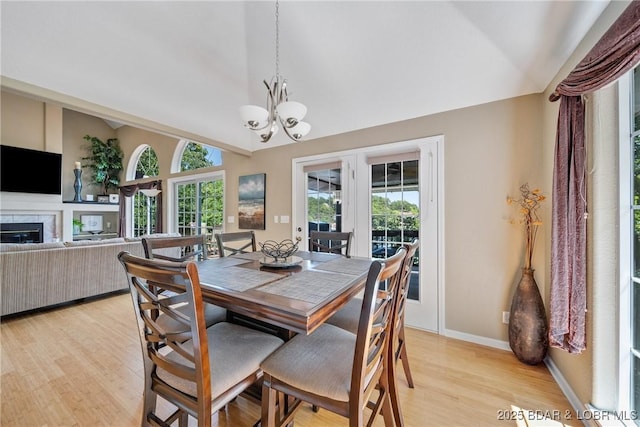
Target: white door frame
(356, 179)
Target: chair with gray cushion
(348, 316)
(195, 368)
(178, 249)
(331, 241)
(239, 242)
(334, 369)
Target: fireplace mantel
(56, 215)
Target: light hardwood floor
(81, 366)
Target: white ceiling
(355, 64)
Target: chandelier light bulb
(291, 112)
(300, 130)
(266, 133)
(254, 117)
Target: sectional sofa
(39, 275)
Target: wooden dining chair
(178, 249)
(400, 346)
(239, 242)
(195, 368)
(331, 241)
(347, 318)
(334, 369)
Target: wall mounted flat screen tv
(30, 171)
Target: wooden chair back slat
(188, 247)
(236, 243)
(331, 242)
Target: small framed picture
(103, 199)
(114, 198)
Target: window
(143, 214)
(196, 156)
(324, 205)
(199, 206)
(635, 286)
(630, 292)
(147, 165)
(395, 212)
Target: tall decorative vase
(77, 185)
(528, 325)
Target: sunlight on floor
(538, 418)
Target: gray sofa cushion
(17, 247)
(94, 242)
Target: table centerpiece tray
(290, 261)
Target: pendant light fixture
(289, 114)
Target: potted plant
(105, 161)
(77, 226)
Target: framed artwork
(91, 223)
(103, 199)
(114, 198)
(251, 201)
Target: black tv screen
(30, 171)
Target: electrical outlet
(505, 317)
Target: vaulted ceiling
(354, 64)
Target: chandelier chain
(277, 41)
(279, 109)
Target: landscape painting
(251, 194)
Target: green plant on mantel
(105, 161)
(77, 226)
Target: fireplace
(21, 232)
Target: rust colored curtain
(616, 52)
(130, 190)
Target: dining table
(296, 294)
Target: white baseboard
(476, 339)
(574, 401)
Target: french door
(386, 196)
(198, 204)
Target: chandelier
(264, 122)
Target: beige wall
(23, 122)
(75, 126)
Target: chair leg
(269, 406)
(149, 405)
(387, 412)
(404, 357)
(184, 420)
(393, 395)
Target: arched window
(144, 207)
(196, 155)
(147, 164)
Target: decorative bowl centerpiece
(279, 251)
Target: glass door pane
(144, 214)
(395, 212)
(324, 202)
(200, 209)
